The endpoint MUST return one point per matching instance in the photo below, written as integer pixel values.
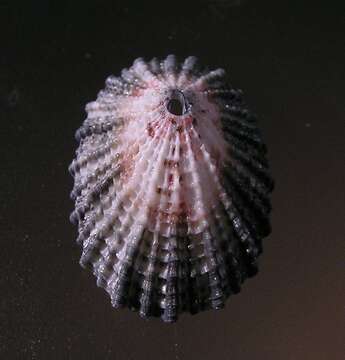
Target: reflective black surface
(289, 60)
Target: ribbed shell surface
(171, 188)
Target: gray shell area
(165, 276)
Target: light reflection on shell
(171, 189)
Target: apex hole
(177, 103)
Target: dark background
(290, 61)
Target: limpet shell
(171, 188)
